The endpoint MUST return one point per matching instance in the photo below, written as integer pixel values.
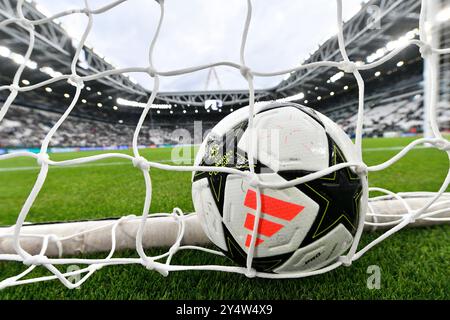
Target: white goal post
(73, 238)
(51, 245)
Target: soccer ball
(301, 228)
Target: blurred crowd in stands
(27, 127)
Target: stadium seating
(27, 127)
(397, 115)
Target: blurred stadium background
(108, 110)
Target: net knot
(141, 163)
(42, 158)
(348, 66)
(361, 170)
(76, 81)
(250, 273)
(26, 23)
(346, 261)
(411, 216)
(151, 72)
(33, 260)
(14, 88)
(149, 264)
(253, 180)
(177, 214)
(425, 50)
(95, 267)
(246, 72)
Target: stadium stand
(402, 116)
(393, 98)
(26, 127)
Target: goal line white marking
(12, 169)
(390, 148)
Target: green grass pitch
(413, 262)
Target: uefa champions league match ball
(301, 228)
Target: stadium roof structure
(52, 55)
(378, 23)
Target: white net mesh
(432, 204)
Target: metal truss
(394, 17)
(198, 98)
(363, 34)
(54, 47)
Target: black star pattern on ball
(239, 256)
(337, 194)
(224, 152)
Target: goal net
(52, 245)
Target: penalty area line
(121, 163)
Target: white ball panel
(208, 212)
(319, 253)
(288, 139)
(289, 237)
(240, 115)
(340, 137)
